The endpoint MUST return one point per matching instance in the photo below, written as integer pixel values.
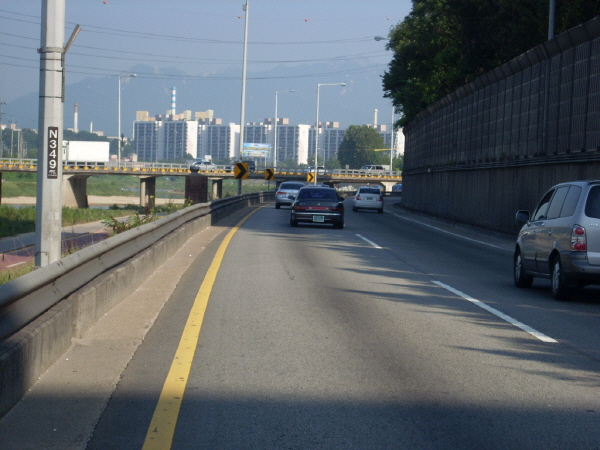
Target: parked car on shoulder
(561, 239)
(368, 197)
(285, 190)
(201, 165)
(317, 205)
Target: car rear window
(369, 191)
(592, 206)
(327, 194)
(291, 185)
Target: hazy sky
(198, 37)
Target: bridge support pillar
(217, 189)
(196, 188)
(148, 191)
(388, 185)
(0, 188)
(74, 189)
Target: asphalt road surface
(397, 332)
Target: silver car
(285, 190)
(199, 165)
(561, 239)
(368, 197)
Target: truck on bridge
(81, 152)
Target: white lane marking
(368, 241)
(516, 323)
(444, 231)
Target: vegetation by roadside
(15, 221)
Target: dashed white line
(368, 241)
(516, 323)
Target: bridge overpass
(196, 186)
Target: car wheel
(277, 206)
(560, 289)
(293, 222)
(380, 211)
(354, 208)
(339, 225)
(521, 280)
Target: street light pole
(119, 117)
(317, 125)
(240, 149)
(275, 129)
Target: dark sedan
(317, 205)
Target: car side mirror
(522, 217)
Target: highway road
(398, 331)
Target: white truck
(82, 152)
(375, 168)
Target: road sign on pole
(240, 171)
(269, 174)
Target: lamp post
(381, 38)
(317, 125)
(275, 128)
(119, 116)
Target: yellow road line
(162, 426)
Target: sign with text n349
(53, 152)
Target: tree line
(444, 44)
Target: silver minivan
(561, 239)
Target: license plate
(318, 218)
(369, 198)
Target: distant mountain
(221, 92)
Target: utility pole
(12, 135)
(2, 102)
(48, 225)
(243, 106)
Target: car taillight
(338, 208)
(358, 197)
(300, 208)
(381, 198)
(578, 239)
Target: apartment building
(217, 140)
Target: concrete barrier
(82, 287)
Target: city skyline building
(201, 135)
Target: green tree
(443, 44)
(357, 147)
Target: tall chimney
(173, 98)
(375, 119)
(75, 118)
(91, 127)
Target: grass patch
(11, 274)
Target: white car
(199, 165)
(285, 190)
(320, 170)
(368, 197)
